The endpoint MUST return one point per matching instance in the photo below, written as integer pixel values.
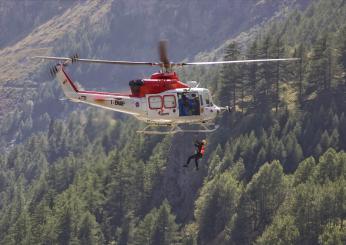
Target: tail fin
(69, 88)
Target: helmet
(204, 142)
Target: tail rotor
(74, 58)
(53, 70)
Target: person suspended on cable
(199, 152)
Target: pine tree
(268, 72)
(143, 231)
(64, 228)
(304, 171)
(341, 52)
(300, 53)
(216, 205)
(165, 229)
(333, 235)
(330, 166)
(231, 77)
(252, 71)
(262, 198)
(125, 233)
(88, 233)
(157, 227)
(318, 74)
(279, 50)
(305, 209)
(281, 231)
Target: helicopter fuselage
(162, 99)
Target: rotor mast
(165, 63)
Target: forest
(274, 173)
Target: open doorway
(189, 104)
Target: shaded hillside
(20, 75)
(19, 18)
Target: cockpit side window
(207, 98)
(201, 99)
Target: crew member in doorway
(199, 152)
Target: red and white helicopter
(161, 100)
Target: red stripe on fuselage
(70, 81)
(105, 93)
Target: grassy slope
(18, 70)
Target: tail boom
(125, 103)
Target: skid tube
(177, 129)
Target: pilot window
(189, 104)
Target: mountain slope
(267, 177)
(18, 20)
(19, 72)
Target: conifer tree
(252, 71)
(318, 74)
(88, 233)
(281, 231)
(216, 205)
(231, 77)
(157, 227)
(262, 198)
(341, 52)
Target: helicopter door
(162, 106)
(189, 104)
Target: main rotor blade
(235, 61)
(164, 60)
(163, 53)
(114, 62)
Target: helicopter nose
(217, 109)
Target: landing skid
(173, 129)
